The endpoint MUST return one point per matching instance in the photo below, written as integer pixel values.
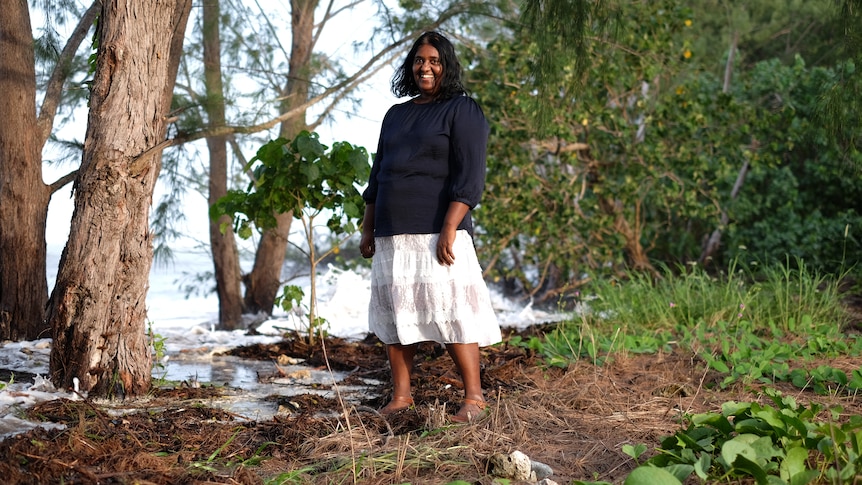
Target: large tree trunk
(223, 246)
(23, 196)
(263, 282)
(97, 310)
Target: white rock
(515, 465)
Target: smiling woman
(428, 175)
(427, 70)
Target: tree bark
(23, 196)
(263, 282)
(222, 246)
(97, 310)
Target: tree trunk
(23, 196)
(222, 246)
(263, 282)
(97, 310)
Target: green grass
(689, 297)
(751, 323)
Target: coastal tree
(97, 309)
(24, 196)
(223, 247)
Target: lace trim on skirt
(416, 299)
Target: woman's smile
(427, 70)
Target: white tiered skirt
(414, 298)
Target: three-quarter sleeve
(369, 195)
(468, 148)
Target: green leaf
(702, 466)
(793, 463)
(719, 366)
(650, 475)
(680, 470)
(799, 378)
(733, 408)
(223, 227)
(738, 446)
(753, 425)
(245, 231)
(634, 451)
(750, 467)
(772, 417)
(717, 421)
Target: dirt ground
(575, 420)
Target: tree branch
(273, 33)
(344, 92)
(360, 74)
(54, 89)
(62, 181)
(330, 14)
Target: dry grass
(574, 420)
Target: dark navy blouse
(428, 155)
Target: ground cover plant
(750, 326)
(652, 383)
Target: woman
(428, 174)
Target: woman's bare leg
(401, 363)
(467, 360)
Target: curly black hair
(403, 83)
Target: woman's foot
(398, 403)
(470, 410)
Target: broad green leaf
(771, 416)
(751, 468)
(793, 463)
(702, 466)
(717, 421)
(855, 381)
(634, 451)
(649, 475)
(765, 449)
(804, 478)
(738, 446)
(680, 471)
(733, 408)
(752, 425)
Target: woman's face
(427, 70)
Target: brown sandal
(467, 417)
(405, 400)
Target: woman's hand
(445, 247)
(366, 244)
(446, 243)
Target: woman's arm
(454, 215)
(366, 244)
